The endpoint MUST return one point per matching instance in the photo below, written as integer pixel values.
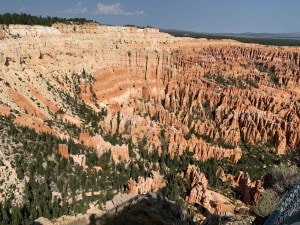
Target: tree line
(26, 19)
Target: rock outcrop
(119, 152)
(63, 150)
(135, 91)
(146, 185)
(42, 221)
(180, 94)
(213, 202)
(250, 192)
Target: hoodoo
(89, 110)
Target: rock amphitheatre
(205, 96)
(154, 81)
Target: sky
(212, 16)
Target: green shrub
(252, 83)
(221, 80)
(283, 177)
(267, 203)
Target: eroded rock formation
(135, 91)
(119, 152)
(146, 185)
(63, 150)
(180, 94)
(214, 202)
(241, 183)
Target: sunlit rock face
(200, 194)
(178, 94)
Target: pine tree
(4, 214)
(16, 216)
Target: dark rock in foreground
(145, 209)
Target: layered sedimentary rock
(214, 202)
(119, 152)
(178, 94)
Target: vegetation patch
(26, 19)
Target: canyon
(150, 80)
(147, 92)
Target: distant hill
(295, 36)
(277, 39)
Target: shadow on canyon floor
(153, 210)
